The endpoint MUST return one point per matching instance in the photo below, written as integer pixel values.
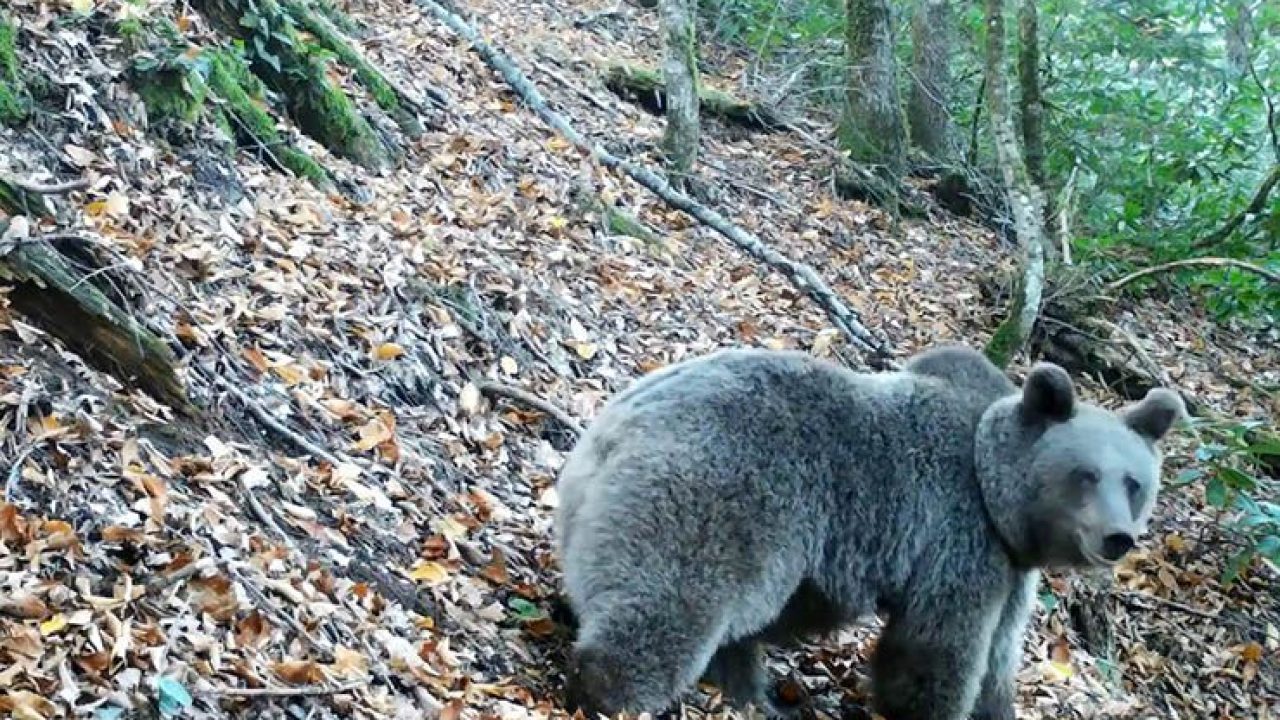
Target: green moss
(15, 102)
(336, 16)
(244, 116)
(329, 37)
(1006, 341)
(16, 201)
(173, 92)
(296, 70)
(647, 87)
(621, 222)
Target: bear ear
(1155, 414)
(1048, 393)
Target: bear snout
(1115, 545)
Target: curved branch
(1271, 275)
(38, 189)
(1254, 207)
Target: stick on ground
(494, 388)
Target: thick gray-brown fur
(754, 497)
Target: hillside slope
(357, 523)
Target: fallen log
(646, 87)
(63, 302)
(802, 276)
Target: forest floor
(401, 564)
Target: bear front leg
(999, 689)
(929, 664)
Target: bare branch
(1254, 207)
(509, 391)
(36, 188)
(1271, 275)
(304, 691)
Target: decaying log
(56, 299)
(646, 87)
(62, 301)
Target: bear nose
(1115, 545)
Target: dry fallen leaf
(430, 572)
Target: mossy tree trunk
(293, 68)
(872, 129)
(1025, 198)
(1032, 110)
(680, 74)
(927, 113)
(14, 100)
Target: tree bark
(928, 118)
(1033, 102)
(1026, 200)
(680, 73)
(872, 128)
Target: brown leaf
(121, 534)
(252, 630)
(256, 359)
(215, 596)
(298, 672)
(13, 528)
(496, 570)
(58, 535)
(23, 605)
(23, 705)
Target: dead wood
(1271, 275)
(514, 393)
(1255, 206)
(59, 300)
(802, 276)
(646, 87)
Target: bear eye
(1132, 485)
(1084, 477)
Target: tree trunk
(872, 129)
(1033, 103)
(1026, 200)
(927, 115)
(1237, 39)
(680, 73)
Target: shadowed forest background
(302, 302)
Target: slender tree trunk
(1033, 102)
(680, 72)
(872, 129)
(1026, 200)
(927, 115)
(1237, 37)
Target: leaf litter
(389, 554)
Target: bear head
(1066, 483)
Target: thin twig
(1196, 262)
(15, 471)
(275, 425)
(304, 691)
(185, 572)
(1255, 206)
(1138, 600)
(509, 391)
(36, 188)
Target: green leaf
(524, 610)
(173, 696)
(1215, 493)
